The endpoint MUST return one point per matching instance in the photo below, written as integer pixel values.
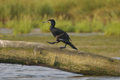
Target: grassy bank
(103, 45)
(71, 15)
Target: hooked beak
(45, 22)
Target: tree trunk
(31, 53)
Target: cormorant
(59, 34)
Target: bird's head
(51, 21)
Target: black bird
(59, 34)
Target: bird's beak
(45, 22)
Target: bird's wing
(61, 34)
(59, 31)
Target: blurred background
(78, 16)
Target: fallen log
(31, 53)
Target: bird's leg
(53, 42)
(67, 42)
(63, 47)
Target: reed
(83, 26)
(23, 26)
(65, 25)
(71, 15)
(113, 28)
(70, 8)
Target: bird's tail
(73, 46)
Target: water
(5, 31)
(37, 33)
(19, 72)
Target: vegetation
(71, 15)
(108, 46)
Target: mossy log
(31, 53)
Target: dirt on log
(31, 53)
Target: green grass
(23, 26)
(102, 45)
(113, 28)
(71, 15)
(83, 26)
(67, 26)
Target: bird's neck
(52, 26)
